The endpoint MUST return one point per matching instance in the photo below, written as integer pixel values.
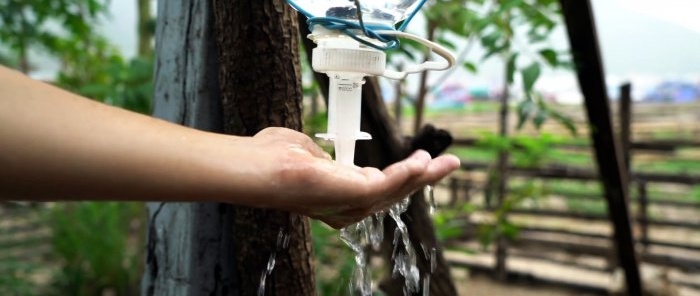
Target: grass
(671, 166)
(587, 206)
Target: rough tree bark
(216, 249)
(261, 87)
(188, 244)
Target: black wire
(359, 17)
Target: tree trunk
(189, 244)
(502, 181)
(145, 31)
(423, 89)
(261, 87)
(217, 249)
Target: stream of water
(370, 231)
(282, 243)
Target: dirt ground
(479, 285)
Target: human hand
(304, 179)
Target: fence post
(583, 40)
(454, 191)
(643, 213)
(466, 187)
(625, 114)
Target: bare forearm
(56, 145)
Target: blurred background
(553, 214)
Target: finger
(386, 185)
(397, 174)
(437, 169)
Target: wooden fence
(676, 254)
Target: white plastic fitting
(346, 63)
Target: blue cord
(348, 27)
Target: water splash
(282, 243)
(431, 257)
(404, 258)
(430, 194)
(368, 231)
(268, 270)
(426, 285)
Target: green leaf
(446, 43)
(550, 56)
(530, 76)
(496, 50)
(540, 118)
(564, 120)
(525, 109)
(470, 67)
(510, 69)
(490, 40)
(509, 230)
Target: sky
(649, 36)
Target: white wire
(448, 62)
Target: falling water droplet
(352, 236)
(376, 230)
(425, 251)
(426, 285)
(285, 243)
(280, 238)
(430, 194)
(261, 288)
(271, 263)
(404, 258)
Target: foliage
(447, 223)
(500, 226)
(695, 192)
(94, 242)
(514, 31)
(527, 151)
(315, 123)
(66, 31)
(31, 25)
(14, 279)
(126, 84)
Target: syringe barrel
(344, 114)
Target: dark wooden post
(580, 23)
(643, 213)
(625, 114)
(454, 191)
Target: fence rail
(595, 244)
